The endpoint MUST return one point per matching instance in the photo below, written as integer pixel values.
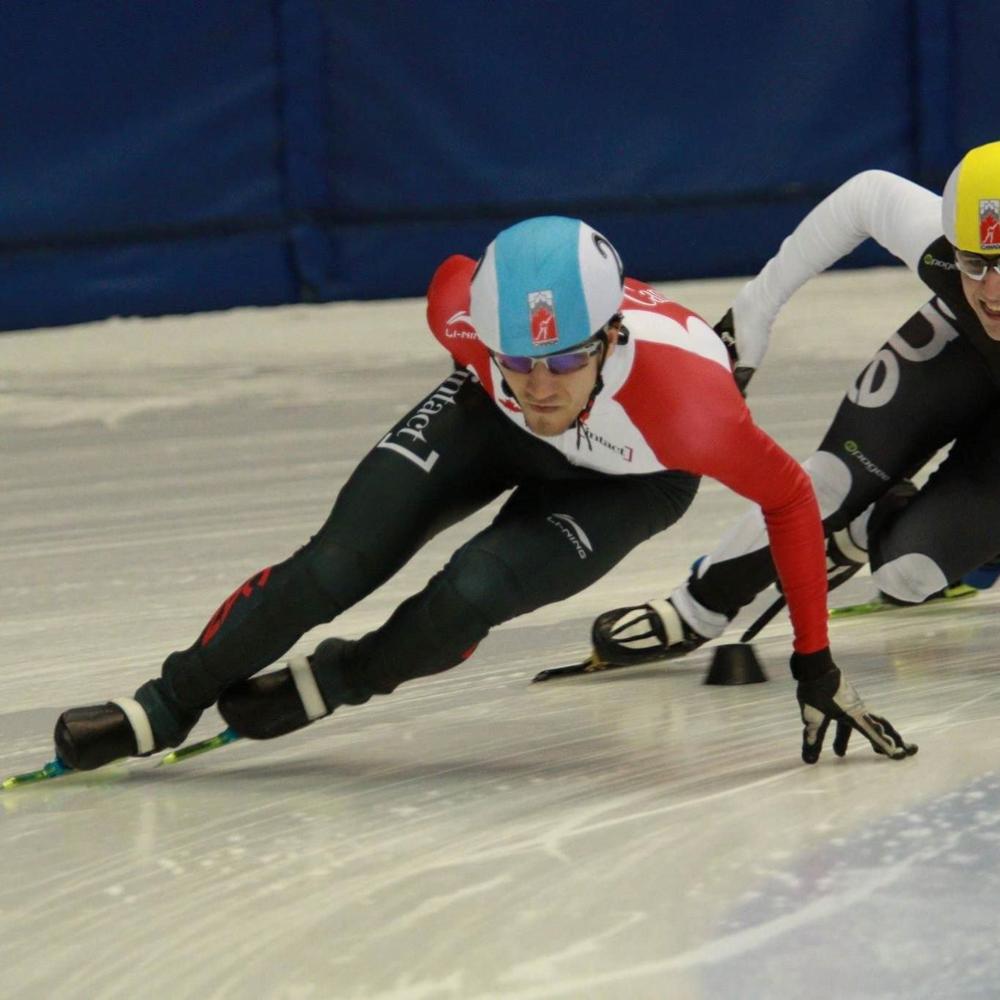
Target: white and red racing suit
(668, 412)
(668, 402)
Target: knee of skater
(338, 578)
(910, 578)
(831, 480)
(485, 586)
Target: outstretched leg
(436, 466)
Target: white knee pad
(911, 578)
(831, 480)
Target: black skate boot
(95, 735)
(643, 634)
(307, 689)
(276, 703)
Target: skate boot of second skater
(643, 634)
(95, 735)
(985, 576)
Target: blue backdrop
(199, 154)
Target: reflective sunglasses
(972, 265)
(558, 364)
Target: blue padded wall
(140, 167)
(201, 154)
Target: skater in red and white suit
(599, 404)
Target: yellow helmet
(970, 205)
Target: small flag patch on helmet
(989, 224)
(541, 307)
(970, 202)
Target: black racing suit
(561, 529)
(935, 381)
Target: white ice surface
(633, 835)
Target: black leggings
(926, 387)
(561, 529)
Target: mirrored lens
(974, 266)
(564, 364)
(558, 364)
(514, 363)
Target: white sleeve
(902, 216)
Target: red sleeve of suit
(694, 418)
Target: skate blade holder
(735, 663)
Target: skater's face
(551, 402)
(984, 297)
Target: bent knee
(831, 480)
(487, 584)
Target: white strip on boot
(139, 722)
(705, 622)
(309, 692)
(673, 629)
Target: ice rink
(631, 835)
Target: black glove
(824, 693)
(727, 334)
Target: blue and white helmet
(545, 285)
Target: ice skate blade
(54, 769)
(57, 768)
(222, 739)
(592, 665)
(879, 606)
